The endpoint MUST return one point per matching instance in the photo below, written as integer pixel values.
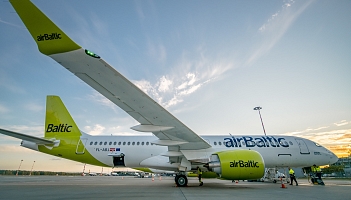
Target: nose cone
(333, 158)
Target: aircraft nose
(333, 158)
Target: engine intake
(240, 164)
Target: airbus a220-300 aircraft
(174, 146)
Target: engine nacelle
(240, 164)
(29, 145)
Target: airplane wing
(97, 73)
(26, 137)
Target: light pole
(30, 173)
(259, 108)
(19, 168)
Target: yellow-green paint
(68, 134)
(204, 175)
(68, 151)
(49, 38)
(58, 115)
(230, 172)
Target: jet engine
(240, 164)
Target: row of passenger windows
(251, 143)
(121, 143)
(148, 143)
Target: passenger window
(124, 143)
(128, 143)
(243, 143)
(95, 143)
(215, 143)
(91, 143)
(114, 143)
(142, 143)
(105, 143)
(133, 143)
(119, 143)
(147, 143)
(138, 143)
(219, 143)
(100, 143)
(290, 143)
(110, 143)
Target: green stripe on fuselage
(66, 150)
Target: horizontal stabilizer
(26, 137)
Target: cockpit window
(318, 145)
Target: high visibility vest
(199, 171)
(291, 171)
(318, 169)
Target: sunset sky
(208, 62)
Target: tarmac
(117, 187)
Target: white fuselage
(277, 151)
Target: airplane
(173, 146)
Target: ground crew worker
(199, 174)
(292, 176)
(317, 170)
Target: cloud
(34, 107)
(3, 109)
(188, 75)
(341, 123)
(15, 25)
(276, 26)
(335, 139)
(97, 129)
(157, 51)
(14, 149)
(164, 84)
(33, 130)
(97, 97)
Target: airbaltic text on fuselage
(59, 128)
(52, 36)
(264, 141)
(241, 163)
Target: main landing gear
(181, 180)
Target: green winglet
(49, 38)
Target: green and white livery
(174, 146)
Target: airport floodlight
(30, 173)
(19, 167)
(259, 108)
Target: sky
(208, 62)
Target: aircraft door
(303, 147)
(118, 160)
(81, 146)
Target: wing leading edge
(110, 83)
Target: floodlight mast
(259, 108)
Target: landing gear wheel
(181, 180)
(176, 178)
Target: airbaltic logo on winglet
(59, 128)
(52, 36)
(241, 163)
